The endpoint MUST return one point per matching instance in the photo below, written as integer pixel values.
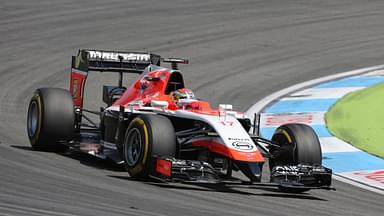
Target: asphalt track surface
(240, 51)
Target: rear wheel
(299, 144)
(51, 119)
(145, 136)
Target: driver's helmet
(183, 93)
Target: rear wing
(113, 61)
(88, 60)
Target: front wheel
(298, 144)
(146, 136)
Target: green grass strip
(358, 119)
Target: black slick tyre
(50, 119)
(145, 136)
(299, 144)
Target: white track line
(333, 144)
(321, 93)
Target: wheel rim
(285, 142)
(33, 117)
(133, 147)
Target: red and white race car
(160, 130)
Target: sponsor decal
(241, 145)
(76, 84)
(294, 118)
(115, 56)
(375, 176)
(286, 170)
(75, 88)
(238, 139)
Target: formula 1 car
(158, 129)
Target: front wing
(189, 171)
